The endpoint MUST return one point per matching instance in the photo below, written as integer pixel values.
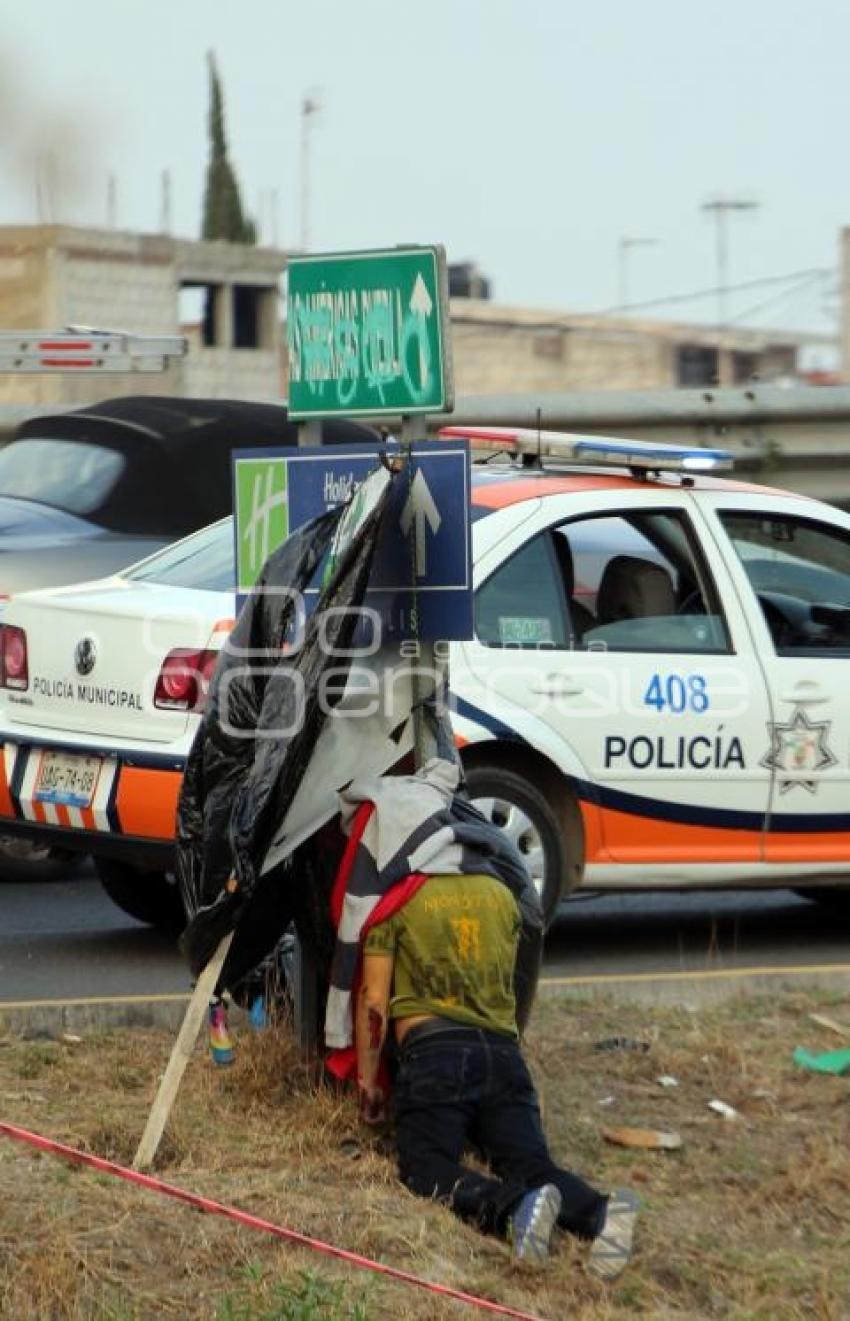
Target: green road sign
(368, 333)
(262, 515)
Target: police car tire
(24, 860)
(496, 781)
(149, 896)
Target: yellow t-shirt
(454, 945)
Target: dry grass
(750, 1219)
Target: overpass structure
(796, 436)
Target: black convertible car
(88, 492)
(85, 493)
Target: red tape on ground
(254, 1222)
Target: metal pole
(425, 662)
(305, 969)
(165, 207)
(719, 208)
(111, 202)
(722, 266)
(624, 248)
(622, 276)
(309, 107)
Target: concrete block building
(53, 276)
(508, 349)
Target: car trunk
(94, 654)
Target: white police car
(657, 696)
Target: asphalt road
(65, 940)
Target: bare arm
(371, 1031)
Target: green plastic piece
(831, 1061)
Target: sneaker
(611, 1250)
(532, 1223)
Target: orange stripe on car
(808, 846)
(6, 805)
(626, 837)
(147, 802)
(594, 847)
(500, 495)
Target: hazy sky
(528, 135)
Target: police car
(657, 694)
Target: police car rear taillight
(14, 664)
(184, 680)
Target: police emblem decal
(85, 655)
(798, 746)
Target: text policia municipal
(94, 694)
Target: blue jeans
(462, 1086)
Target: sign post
(368, 336)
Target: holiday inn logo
(262, 509)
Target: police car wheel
(149, 896)
(25, 860)
(518, 807)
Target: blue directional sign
(421, 580)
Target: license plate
(66, 779)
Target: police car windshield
(204, 561)
(65, 474)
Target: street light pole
(309, 107)
(720, 208)
(624, 248)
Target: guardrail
(797, 437)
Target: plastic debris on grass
(829, 1061)
(722, 1108)
(647, 1139)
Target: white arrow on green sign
(368, 333)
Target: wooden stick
(180, 1056)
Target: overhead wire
(801, 286)
(714, 290)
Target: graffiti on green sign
(341, 339)
(263, 515)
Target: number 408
(677, 693)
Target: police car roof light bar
(648, 455)
(85, 350)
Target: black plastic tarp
(261, 723)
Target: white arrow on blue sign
(421, 580)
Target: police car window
(204, 561)
(635, 581)
(522, 604)
(66, 474)
(799, 570)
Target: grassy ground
(749, 1219)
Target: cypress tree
(223, 214)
